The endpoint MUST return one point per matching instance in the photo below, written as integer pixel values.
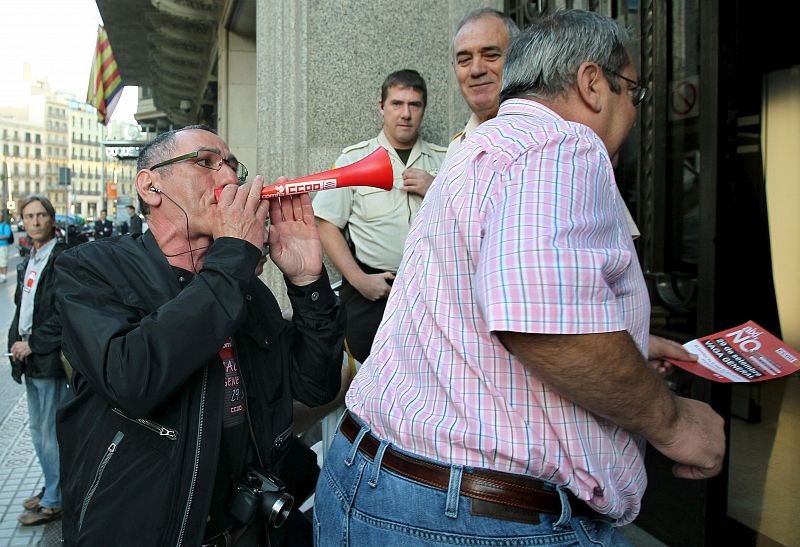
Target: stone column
(236, 95)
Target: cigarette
(8, 354)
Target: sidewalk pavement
(20, 474)
(20, 477)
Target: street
(20, 475)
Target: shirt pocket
(374, 203)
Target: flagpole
(103, 171)
(66, 220)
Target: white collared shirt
(33, 273)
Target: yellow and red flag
(105, 82)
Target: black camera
(261, 495)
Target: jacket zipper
(196, 465)
(99, 474)
(280, 439)
(161, 430)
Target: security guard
(375, 220)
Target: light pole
(103, 204)
(65, 180)
(6, 199)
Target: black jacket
(45, 338)
(103, 228)
(140, 440)
(136, 224)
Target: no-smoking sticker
(684, 98)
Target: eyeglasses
(209, 160)
(638, 92)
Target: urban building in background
(52, 144)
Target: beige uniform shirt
(378, 220)
(473, 123)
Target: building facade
(57, 151)
(52, 144)
(22, 163)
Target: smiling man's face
(480, 52)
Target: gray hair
(158, 150)
(162, 146)
(511, 26)
(543, 61)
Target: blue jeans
(44, 398)
(359, 504)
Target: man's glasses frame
(237, 166)
(638, 92)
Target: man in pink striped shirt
(507, 396)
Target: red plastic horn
(374, 170)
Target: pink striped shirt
(522, 231)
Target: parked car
(88, 231)
(76, 235)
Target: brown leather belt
(521, 495)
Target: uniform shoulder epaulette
(457, 135)
(361, 144)
(437, 147)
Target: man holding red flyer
(507, 398)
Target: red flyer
(747, 353)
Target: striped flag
(105, 83)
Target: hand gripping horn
(374, 170)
